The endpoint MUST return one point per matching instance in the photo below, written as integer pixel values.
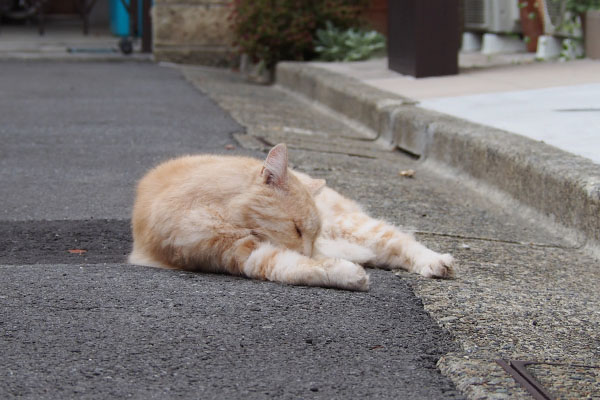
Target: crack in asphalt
(494, 240)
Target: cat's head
(281, 208)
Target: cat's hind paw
(436, 266)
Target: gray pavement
(92, 326)
(117, 331)
(524, 291)
(75, 137)
(561, 187)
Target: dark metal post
(133, 18)
(424, 37)
(85, 15)
(146, 27)
(41, 18)
(85, 8)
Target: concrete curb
(560, 185)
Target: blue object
(119, 17)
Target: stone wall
(192, 31)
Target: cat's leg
(203, 241)
(271, 263)
(360, 238)
(249, 256)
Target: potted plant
(531, 12)
(267, 31)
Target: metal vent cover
(498, 16)
(474, 12)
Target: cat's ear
(315, 186)
(275, 168)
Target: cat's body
(241, 216)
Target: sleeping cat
(241, 216)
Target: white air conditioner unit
(497, 16)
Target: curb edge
(560, 185)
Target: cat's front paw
(347, 275)
(434, 265)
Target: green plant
(569, 23)
(571, 49)
(581, 6)
(334, 44)
(570, 12)
(273, 30)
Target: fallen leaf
(377, 347)
(408, 173)
(229, 147)
(77, 251)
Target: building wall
(192, 31)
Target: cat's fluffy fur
(262, 220)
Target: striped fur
(258, 219)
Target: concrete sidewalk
(523, 292)
(554, 102)
(64, 40)
(526, 129)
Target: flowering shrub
(274, 30)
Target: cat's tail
(139, 258)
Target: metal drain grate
(518, 370)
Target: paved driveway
(74, 139)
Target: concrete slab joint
(563, 188)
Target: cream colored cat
(241, 216)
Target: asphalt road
(76, 136)
(74, 139)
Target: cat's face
(293, 221)
(282, 209)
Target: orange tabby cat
(261, 220)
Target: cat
(243, 216)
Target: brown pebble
(408, 173)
